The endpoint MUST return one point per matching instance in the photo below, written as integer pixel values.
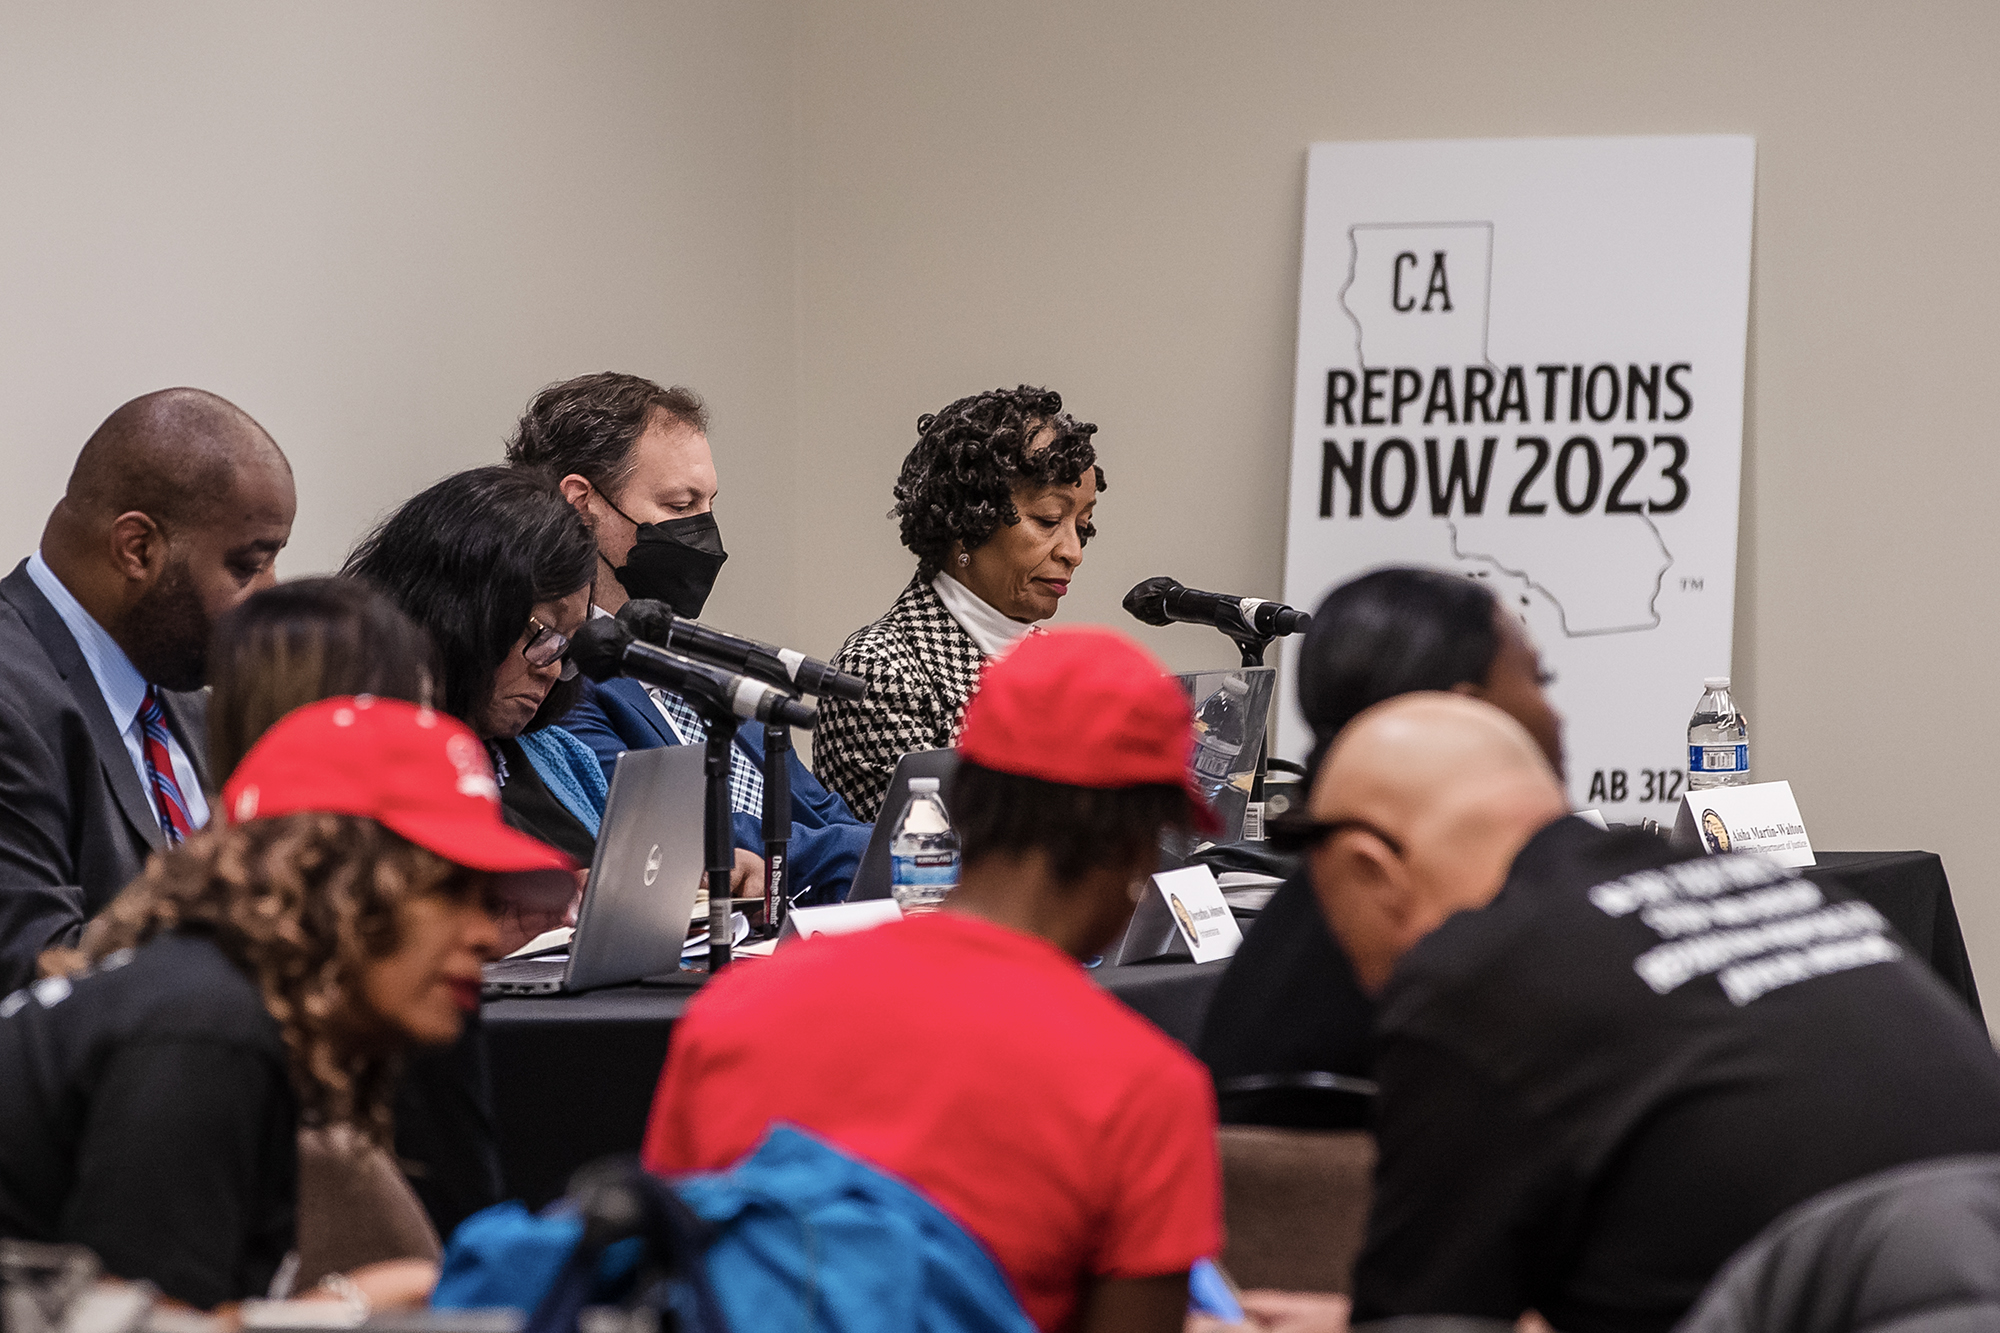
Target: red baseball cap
(412, 770)
(1085, 707)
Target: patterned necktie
(160, 769)
(746, 780)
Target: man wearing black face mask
(633, 459)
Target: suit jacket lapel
(638, 703)
(67, 658)
(187, 718)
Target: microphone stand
(777, 821)
(718, 842)
(1252, 648)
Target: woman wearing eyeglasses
(498, 568)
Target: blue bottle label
(1719, 758)
(927, 869)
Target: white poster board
(1522, 360)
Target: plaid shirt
(746, 780)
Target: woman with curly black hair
(996, 501)
(269, 972)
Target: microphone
(604, 648)
(1158, 601)
(656, 623)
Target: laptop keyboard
(524, 974)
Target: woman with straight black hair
(497, 567)
(1289, 1011)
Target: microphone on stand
(1251, 622)
(1162, 600)
(795, 673)
(655, 622)
(604, 648)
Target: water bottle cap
(1236, 684)
(919, 786)
(1715, 682)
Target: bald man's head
(173, 455)
(1429, 797)
(175, 511)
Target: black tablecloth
(574, 1075)
(1909, 888)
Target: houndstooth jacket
(921, 667)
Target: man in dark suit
(175, 512)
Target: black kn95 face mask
(674, 562)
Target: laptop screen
(1232, 709)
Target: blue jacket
(807, 1237)
(801, 1236)
(827, 840)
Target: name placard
(802, 923)
(1200, 912)
(1762, 817)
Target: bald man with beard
(175, 511)
(1604, 1067)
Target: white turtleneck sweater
(994, 632)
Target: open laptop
(643, 882)
(871, 878)
(1232, 802)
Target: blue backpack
(796, 1236)
(621, 1237)
(805, 1237)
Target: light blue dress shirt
(123, 688)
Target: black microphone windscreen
(796, 713)
(599, 648)
(1148, 601)
(819, 678)
(650, 621)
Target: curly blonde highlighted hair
(302, 903)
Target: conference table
(573, 1075)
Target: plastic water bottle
(923, 853)
(1718, 739)
(1220, 727)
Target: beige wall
(379, 227)
(1106, 197)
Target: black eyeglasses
(545, 647)
(1300, 832)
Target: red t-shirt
(980, 1065)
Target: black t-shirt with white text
(146, 1111)
(1599, 1086)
